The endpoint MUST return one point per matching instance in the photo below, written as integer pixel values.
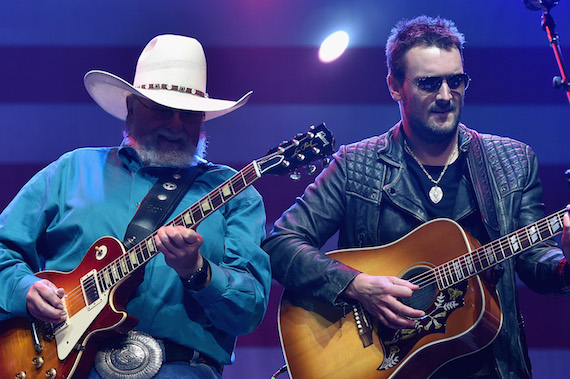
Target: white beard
(152, 156)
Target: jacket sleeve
(295, 241)
(542, 267)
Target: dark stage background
(270, 46)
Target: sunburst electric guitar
(96, 291)
(463, 312)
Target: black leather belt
(177, 353)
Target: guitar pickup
(91, 292)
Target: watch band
(198, 279)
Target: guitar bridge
(365, 330)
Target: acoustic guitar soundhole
(425, 296)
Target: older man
(205, 286)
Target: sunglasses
(165, 113)
(433, 83)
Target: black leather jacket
(367, 196)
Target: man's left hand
(181, 249)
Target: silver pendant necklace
(435, 193)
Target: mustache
(443, 109)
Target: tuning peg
(326, 161)
(300, 157)
(295, 175)
(285, 163)
(311, 169)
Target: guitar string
(75, 298)
(481, 257)
(425, 279)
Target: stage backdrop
(270, 47)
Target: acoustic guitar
(462, 311)
(96, 292)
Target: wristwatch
(198, 279)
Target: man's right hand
(44, 302)
(378, 294)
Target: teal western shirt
(94, 192)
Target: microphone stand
(548, 26)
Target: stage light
(333, 46)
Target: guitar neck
(145, 250)
(301, 150)
(487, 256)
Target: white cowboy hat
(171, 71)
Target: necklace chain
(435, 193)
(436, 182)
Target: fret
(120, 272)
(114, 274)
(123, 263)
(145, 253)
(140, 257)
(100, 281)
(480, 261)
(252, 178)
(151, 246)
(490, 254)
(514, 241)
(470, 265)
(554, 225)
(226, 191)
(544, 230)
(499, 253)
(440, 278)
(134, 258)
(456, 264)
(188, 220)
(524, 239)
(448, 273)
(105, 281)
(506, 247)
(206, 206)
(217, 200)
(108, 277)
(128, 263)
(196, 213)
(533, 234)
(241, 184)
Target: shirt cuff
(20, 308)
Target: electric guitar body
(36, 349)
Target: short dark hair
(423, 31)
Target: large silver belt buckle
(133, 356)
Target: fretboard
(485, 257)
(145, 250)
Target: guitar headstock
(302, 150)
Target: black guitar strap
(160, 202)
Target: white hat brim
(110, 93)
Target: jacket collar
(391, 144)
